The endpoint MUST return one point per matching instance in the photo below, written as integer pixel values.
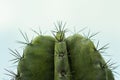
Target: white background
(97, 15)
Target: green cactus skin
(60, 58)
(37, 62)
(86, 63)
(62, 70)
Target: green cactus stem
(61, 64)
(61, 58)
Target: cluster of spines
(17, 56)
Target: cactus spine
(60, 58)
(61, 63)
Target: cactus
(61, 58)
(61, 63)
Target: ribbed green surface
(38, 60)
(86, 62)
(62, 71)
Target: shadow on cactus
(59, 58)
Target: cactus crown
(60, 31)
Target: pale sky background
(97, 15)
